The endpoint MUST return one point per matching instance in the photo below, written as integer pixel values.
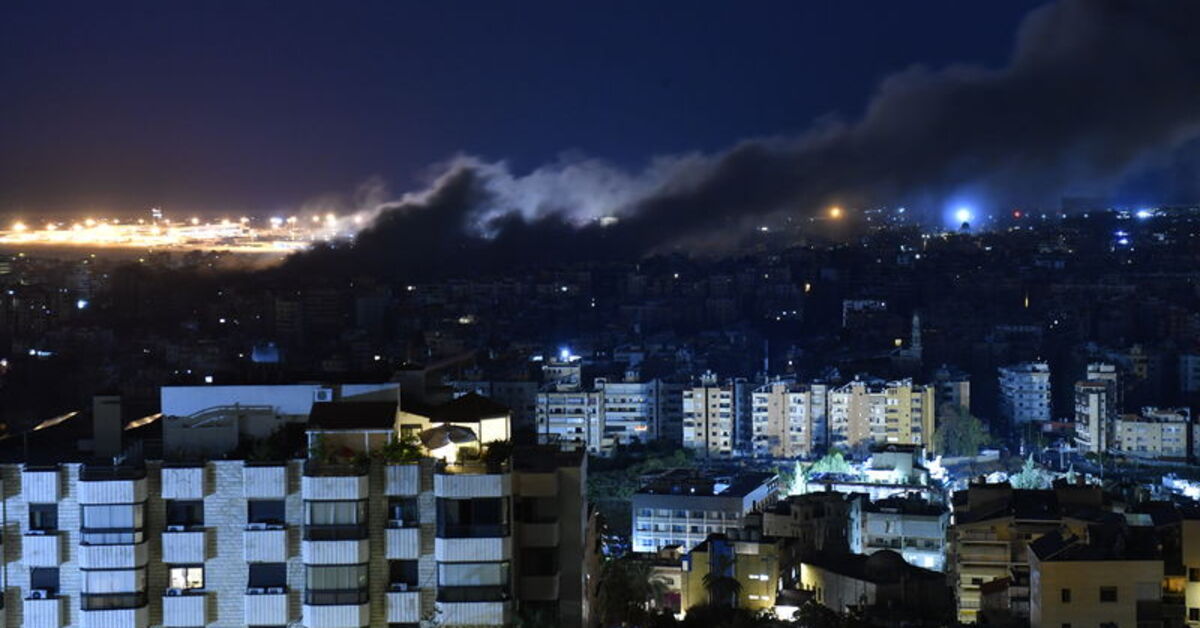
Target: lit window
(184, 578)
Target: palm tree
(628, 590)
(722, 586)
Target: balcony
(403, 543)
(264, 481)
(184, 547)
(402, 480)
(42, 549)
(334, 481)
(538, 587)
(324, 550)
(180, 611)
(112, 556)
(404, 607)
(473, 549)
(46, 612)
(100, 484)
(471, 485)
(266, 545)
(266, 609)
(538, 534)
(40, 485)
(337, 616)
(183, 482)
(114, 610)
(476, 613)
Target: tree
(628, 591)
(958, 433)
(1031, 476)
(722, 587)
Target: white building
(1025, 393)
(914, 528)
(338, 541)
(682, 506)
(709, 418)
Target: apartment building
(881, 587)
(1025, 393)
(361, 532)
(865, 412)
(1157, 434)
(683, 506)
(789, 420)
(1093, 416)
(908, 525)
(754, 564)
(570, 418)
(709, 418)
(992, 526)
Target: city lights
(835, 212)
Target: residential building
(910, 526)
(1025, 393)
(789, 420)
(709, 421)
(570, 418)
(1093, 416)
(1189, 373)
(754, 564)
(683, 506)
(952, 386)
(817, 522)
(868, 412)
(992, 525)
(1156, 433)
(357, 534)
(1106, 577)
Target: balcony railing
(473, 467)
(112, 601)
(336, 597)
(472, 594)
(342, 532)
(317, 468)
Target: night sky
(231, 106)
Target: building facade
(1025, 393)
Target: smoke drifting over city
(1081, 104)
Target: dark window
(43, 517)
(472, 518)
(402, 573)
(335, 520)
(1066, 595)
(265, 511)
(1194, 574)
(267, 575)
(402, 512)
(185, 513)
(1194, 614)
(44, 578)
(336, 584)
(1108, 594)
(536, 509)
(539, 561)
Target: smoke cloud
(1093, 90)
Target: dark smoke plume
(1093, 89)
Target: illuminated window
(184, 578)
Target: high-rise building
(1093, 416)
(1025, 393)
(613, 413)
(683, 506)
(953, 387)
(789, 420)
(897, 412)
(708, 418)
(361, 532)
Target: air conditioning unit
(176, 528)
(255, 591)
(174, 592)
(323, 394)
(256, 526)
(38, 533)
(39, 594)
(400, 586)
(275, 590)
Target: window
(45, 579)
(1108, 594)
(185, 514)
(112, 524)
(335, 520)
(402, 574)
(402, 512)
(104, 581)
(186, 578)
(265, 511)
(536, 509)
(472, 518)
(1065, 595)
(336, 584)
(267, 575)
(472, 582)
(1194, 614)
(1193, 574)
(43, 517)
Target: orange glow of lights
(835, 212)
